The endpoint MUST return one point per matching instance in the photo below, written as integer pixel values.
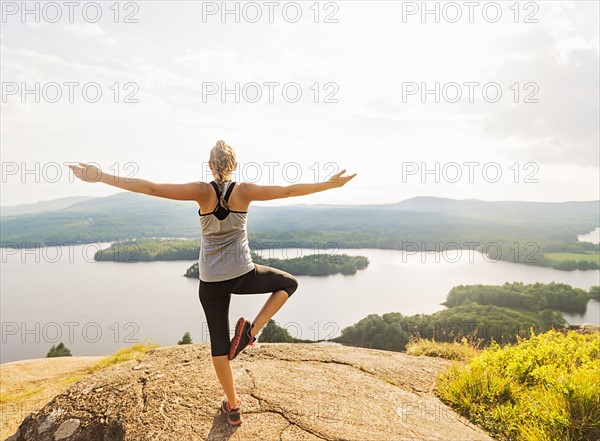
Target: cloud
(565, 46)
(563, 126)
(204, 60)
(89, 31)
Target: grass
(559, 257)
(462, 351)
(73, 378)
(463, 348)
(544, 388)
(9, 398)
(124, 354)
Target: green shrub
(542, 388)
(59, 351)
(462, 351)
(186, 339)
(275, 334)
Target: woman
(225, 264)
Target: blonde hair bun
(222, 157)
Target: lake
(60, 294)
(593, 236)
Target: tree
(275, 334)
(566, 265)
(186, 339)
(59, 351)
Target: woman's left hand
(87, 172)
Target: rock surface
(28, 385)
(585, 328)
(288, 391)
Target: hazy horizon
(290, 201)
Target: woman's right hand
(338, 180)
(87, 172)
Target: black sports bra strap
(228, 193)
(216, 187)
(221, 212)
(218, 191)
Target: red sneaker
(241, 338)
(234, 416)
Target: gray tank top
(224, 247)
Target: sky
(484, 100)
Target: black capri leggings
(215, 298)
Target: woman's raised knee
(292, 285)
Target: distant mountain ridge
(127, 215)
(436, 204)
(418, 203)
(454, 206)
(41, 206)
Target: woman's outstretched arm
(193, 191)
(253, 192)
